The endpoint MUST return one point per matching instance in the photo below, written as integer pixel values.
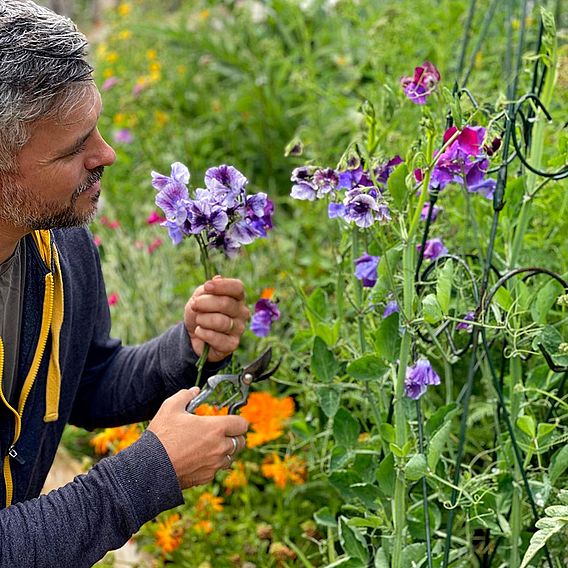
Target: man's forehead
(78, 106)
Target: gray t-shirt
(12, 276)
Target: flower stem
(204, 253)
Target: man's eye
(77, 150)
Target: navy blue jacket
(103, 384)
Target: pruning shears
(252, 373)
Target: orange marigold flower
(266, 415)
(203, 527)
(267, 293)
(115, 439)
(169, 534)
(208, 503)
(208, 410)
(291, 469)
(236, 478)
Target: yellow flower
(161, 117)
(111, 57)
(236, 478)
(291, 469)
(151, 54)
(102, 49)
(266, 415)
(119, 118)
(208, 503)
(169, 534)
(124, 35)
(107, 73)
(204, 15)
(124, 9)
(203, 527)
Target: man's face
(59, 168)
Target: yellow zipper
(28, 383)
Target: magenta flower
(110, 83)
(434, 249)
(419, 87)
(465, 162)
(154, 218)
(123, 136)
(113, 299)
(157, 243)
(424, 82)
(366, 269)
(419, 377)
(265, 314)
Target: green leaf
(413, 554)
(396, 185)
(558, 464)
(544, 429)
(432, 310)
(438, 443)
(367, 368)
(339, 457)
(551, 340)
(352, 541)
(381, 560)
(416, 467)
(325, 518)
(387, 338)
(317, 306)
(503, 298)
(301, 341)
(329, 333)
(371, 522)
(346, 428)
(547, 528)
(367, 493)
(342, 481)
(527, 425)
(444, 286)
(324, 364)
(329, 400)
(386, 475)
(387, 432)
(545, 299)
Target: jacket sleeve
(73, 527)
(126, 384)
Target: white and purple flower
(366, 269)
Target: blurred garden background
(271, 86)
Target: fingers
(209, 303)
(220, 343)
(222, 323)
(181, 399)
(219, 286)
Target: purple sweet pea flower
(391, 308)
(355, 177)
(335, 210)
(226, 183)
(382, 173)
(265, 313)
(304, 190)
(175, 231)
(204, 215)
(463, 325)
(363, 209)
(434, 249)
(259, 212)
(419, 87)
(179, 176)
(419, 377)
(366, 269)
(426, 208)
(326, 181)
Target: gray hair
(42, 65)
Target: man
(57, 362)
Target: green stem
(535, 157)
(204, 253)
(515, 520)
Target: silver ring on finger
(231, 326)
(229, 461)
(235, 445)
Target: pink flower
(154, 218)
(154, 245)
(113, 299)
(123, 136)
(110, 224)
(109, 83)
(97, 240)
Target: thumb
(182, 398)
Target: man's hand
(198, 446)
(216, 314)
